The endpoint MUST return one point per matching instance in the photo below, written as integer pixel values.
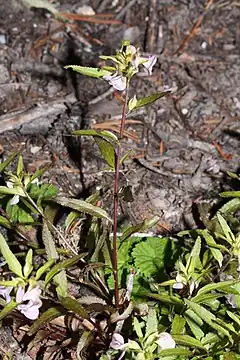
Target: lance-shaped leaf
(194, 257)
(28, 267)
(44, 268)
(226, 229)
(73, 305)
(216, 253)
(230, 194)
(105, 134)
(188, 341)
(149, 99)
(82, 206)
(215, 286)
(178, 324)
(167, 299)
(7, 309)
(61, 266)
(107, 151)
(13, 263)
(88, 71)
(195, 323)
(5, 163)
(12, 191)
(174, 352)
(44, 318)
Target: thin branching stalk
(116, 200)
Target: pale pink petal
(5, 292)
(165, 341)
(32, 294)
(151, 61)
(20, 294)
(118, 81)
(117, 342)
(14, 200)
(178, 286)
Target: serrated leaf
(82, 206)
(73, 305)
(178, 325)
(20, 166)
(149, 255)
(19, 213)
(174, 352)
(150, 99)
(105, 134)
(88, 71)
(151, 323)
(188, 341)
(44, 318)
(8, 161)
(107, 150)
(65, 264)
(13, 263)
(137, 328)
(8, 309)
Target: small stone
(3, 39)
(184, 111)
(204, 45)
(85, 10)
(35, 149)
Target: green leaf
(28, 267)
(168, 299)
(20, 167)
(178, 325)
(234, 317)
(73, 305)
(226, 229)
(82, 206)
(195, 323)
(137, 328)
(5, 163)
(13, 263)
(8, 309)
(193, 259)
(216, 253)
(12, 191)
(72, 216)
(132, 103)
(230, 194)
(144, 226)
(149, 255)
(215, 286)
(88, 71)
(107, 150)
(44, 318)
(151, 323)
(65, 264)
(5, 222)
(19, 213)
(105, 134)
(174, 352)
(188, 341)
(44, 191)
(150, 99)
(44, 268)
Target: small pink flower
(117, 342)
(118, 81)
(5, 293)
(32, 296)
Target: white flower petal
(149, 63)
(9, 184)
(118, 81)
(178, 286)
(5, 292)
(14, 200)
(165, 341)
(20, 294)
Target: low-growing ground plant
(110, 295)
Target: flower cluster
(29, 301)
(127, 63)
(14, 182)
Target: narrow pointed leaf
(174, 352)
(230, 194)
(188, 341)
(226, 229)
(107, 151)
(168, 299)
(88, 71)
(7, 309)
(217, 286)
(107, 135)
(5, 163)
(73, 305)
(150, 99)
(13, 263)
(82, 206)
(44, 318)
(178, 325)
(44, 268)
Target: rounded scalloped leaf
(150, 255)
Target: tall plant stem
(116, 200)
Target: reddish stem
(115, 210)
